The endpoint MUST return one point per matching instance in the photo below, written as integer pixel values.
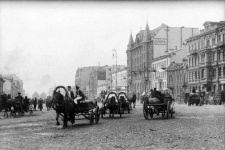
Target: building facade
(163, 44)
(1, 85)
(12, 85)
(206, 58)
(82, 77)
(100, 79)
(139, 57)
(177, 77)
(119, 81)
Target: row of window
(196, 75)
(159, 74)
(202, 57)
(161, 85)
(200, 44)
(160, 64)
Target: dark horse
(63, 106)
(124, 104)
(111, 104)
(48, 103)
(5, 104)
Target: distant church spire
(146, 34)
(131, 42)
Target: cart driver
(70, 93)
(79, 95)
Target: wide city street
(195, 127)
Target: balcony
(193, 52)
(221, 61)
(202, 64)
(221, 43)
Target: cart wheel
(5, 115)
(168, 110)
(97, 115)
(145, 110)
(91, 118)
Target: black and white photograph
(112, 75)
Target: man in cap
(79, 95)
(70, 93)
(19, 100)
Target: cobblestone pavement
(192, 128)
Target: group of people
(26, 101)
(78, 97)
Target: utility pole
(114, 50)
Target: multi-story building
(206, 58)
(119, 81)
(82, 77)
(153, 48)
(12, 85)
(96, 78)
(177, 78)
(1, 84)
(139, 57)
(100, 79)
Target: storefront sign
(160, 41)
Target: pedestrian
(40, 104)
(134, 98)
(19, 100)
(26, 104)
(211, 98)
(79, 95)
(35, 103)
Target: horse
(132, 100)
(64, 107)
(124, 104)
(111, 104)
(48, 104)
(5, 104)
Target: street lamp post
(114, 50)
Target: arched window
(196, 75)
(219, 71)
(203, 73)
(214, 72)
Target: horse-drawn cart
(124, 100)
(153, 106)
(68, 110)
(111, 103)
(194, 98)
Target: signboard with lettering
(160, 41)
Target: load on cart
(158, 102)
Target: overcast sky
(45, 42)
